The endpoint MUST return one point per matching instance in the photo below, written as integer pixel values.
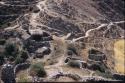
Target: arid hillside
(62, 40)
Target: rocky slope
(59, 31)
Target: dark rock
(97, 66)
(36, 37)
(8, 34)
(84, 65)
(7, 74)
(40, 35)
(70, 53)
(21, 66)
(73, 76)
(14, 9)
(1, 59)
(2, 41)
(32, 45)
(119, 77)
(96, 55)
(66, 60)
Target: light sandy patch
(119, 51)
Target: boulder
(70, 53)
(43, 51)
(75, 62)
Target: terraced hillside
(53, 40)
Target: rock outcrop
(41, 52)
(7, 74)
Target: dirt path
(88, 33)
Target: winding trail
(87, 34)
(34, 16)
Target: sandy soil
(119, 49)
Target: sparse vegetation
(75, 47)
(72, 48)
(19, 60)
(99, 67)
(13, 53)
(92, 51)
(1, 59)
(23, 77)
(37, 69)
(11, 59)
(2, 41)
(11, 50)
(24, 54)
(74, 64)
(107, 74)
